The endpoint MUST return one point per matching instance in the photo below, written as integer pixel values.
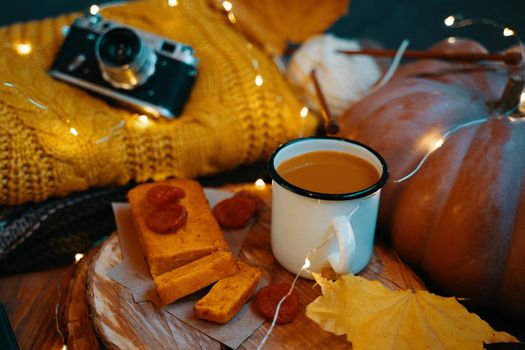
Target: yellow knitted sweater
(68, 140)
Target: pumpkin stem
(510, 98)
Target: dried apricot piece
(268, 297)
(234, 212)
(161, 195)
(167, 219)
(259, 203)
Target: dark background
(390, 21)
(386, 21)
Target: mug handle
(340, 256)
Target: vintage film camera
(151, 74)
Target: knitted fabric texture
(48, 234)
(56, 138)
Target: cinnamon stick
(329, 124)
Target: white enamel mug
(302, 220)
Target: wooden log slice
(75, 325)
(123, 324)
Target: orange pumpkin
(460, 219)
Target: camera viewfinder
(167, 47)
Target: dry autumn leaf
(374, 317)
(274, 23)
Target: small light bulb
(94, 9)
(438, 144)
(227, 5)
(508, 32)
(173, 3)
(73, 131)
(306, 265)
(78, 256)
(451, 40)
(64, 347)
(304, 112)
(258, 80)
(143, 119)
(23, 49)
(432, 141)
(260, 183)
(231, 17)
(450, 21)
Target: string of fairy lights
(454, 21)
(434, 142)
(306, 265)
(25, 49)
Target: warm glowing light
(64, 347)
(522, 102)
(432, 142)
(23, 49)
(307, 264)
(304, 112)
(258, 80)
(143, 119)
(450, 21)
(231, 17)
(260, 183)
(78, 256)
(438, 144)
(173, 3)
(73, 131)
(94, 9)
(508, 32)
(451, 40)
(227, 5)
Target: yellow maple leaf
(375, 317)
(273, 23)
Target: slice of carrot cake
(228, 296)
(196, 275)
(198, 237)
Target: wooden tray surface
(120, 323)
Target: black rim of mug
(325, 196)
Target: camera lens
(125, 61)
(119, 47)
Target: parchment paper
(133, 274)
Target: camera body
(149, 73)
